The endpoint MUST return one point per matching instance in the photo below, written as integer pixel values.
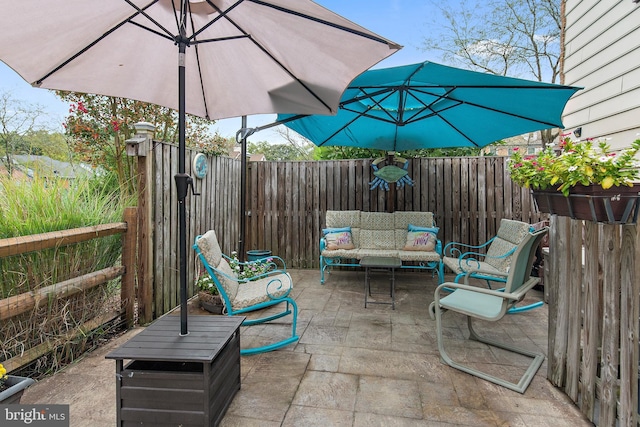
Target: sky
(405, 22)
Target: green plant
(250, 270)
(576, 163)
(205, 284)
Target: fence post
(141, 146)
(128, 288)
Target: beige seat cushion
(257, 291)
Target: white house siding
(603, 55)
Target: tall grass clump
(29, 207)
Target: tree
(17, 119)
(98, 127)
(44, 143)
(296, 148)
(276, 152)
(519, 38)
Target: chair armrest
(323, 244)
(456, 249)
(471, 260)
(438, 247)
(274, 262)
(275, 285)
(514, 296)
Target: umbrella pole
(182, 184)
(243, 190)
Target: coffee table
(375, 263)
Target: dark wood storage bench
(179, 380)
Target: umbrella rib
(274, 59)
(327, 23)
(139, 11)
(202, 89)
(221, 14)
(496, 110)
(457, 130)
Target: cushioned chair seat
(263, 290)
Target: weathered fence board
(596, 331)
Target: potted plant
(12, 387)
(581, 180)
(251, 270)
(208, 295)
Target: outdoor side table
(179, 380)
(375, 263)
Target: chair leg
(324, 265)
(291, 308)
(520, 386)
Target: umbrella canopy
(210, 58)
(429, 105)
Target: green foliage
(213, 145)
(576, 163)
(251, 270)
(39, 206)
(339, 153)
(45, 143)
(278, 152)
(98, 127)
(205, 284)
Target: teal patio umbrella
(428, 105)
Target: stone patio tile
(325, 335)
(386, 396)
(460, 416)
(263, 399)
(306, 416)
(327, 390)
(368, 334)
(324, 362)
(274, 365)
(392, 364)
(438, 394)
(376, 420)
(230, 420)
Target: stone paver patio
(353, 367)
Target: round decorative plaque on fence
(200, 165)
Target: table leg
(367, 285)
(393, 288)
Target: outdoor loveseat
(350, 236)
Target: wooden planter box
(616, 205)
(179, 380)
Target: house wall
(603, 55)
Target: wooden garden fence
(593, 317)
(19, 305)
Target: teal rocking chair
(241, 296)
(491, 305)
(489, 261)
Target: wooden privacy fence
(29, 302)
(593, 317)
(287, 202)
